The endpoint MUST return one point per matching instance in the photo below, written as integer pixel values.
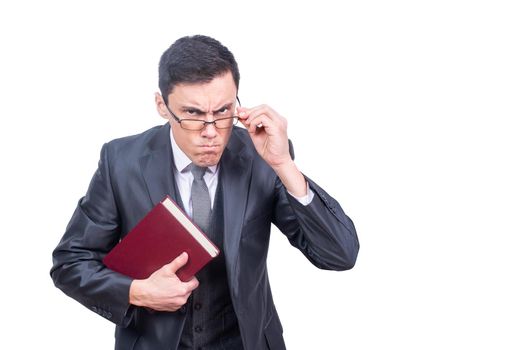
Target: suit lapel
(235, 168)
(158, 168)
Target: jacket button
(198, 329)
(183, 309)
(198, 306)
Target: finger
(249, 113)
(263, 109)
(178, 302)
(261, 121)
(248, 125)
(243, 122)
(178, 262)
(192, 284)
(242, 113)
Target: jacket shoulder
(143, 138)
(139, 144)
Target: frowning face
(202, 101)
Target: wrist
(292, 178)
(136, 293)
(285, 167)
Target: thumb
(243, 113)
(178, 262)
(241, 110)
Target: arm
(321, 230)
(93, 231)
(268, 131)
(77, 260)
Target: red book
(162, 235)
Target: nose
(209, 131)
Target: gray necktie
(200, 198)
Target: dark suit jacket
(134, 174)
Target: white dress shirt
(184, 179)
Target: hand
(268, 131)
(163, 290)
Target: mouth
(209, 149)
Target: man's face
(203, 101)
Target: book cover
(162, 235)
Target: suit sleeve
(77, 260)
(320, 230)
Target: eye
(193, 112)
(223, 110)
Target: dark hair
(194, 59)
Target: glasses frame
(204, 122)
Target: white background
(420, 101)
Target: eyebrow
(227, 105)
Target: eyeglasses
(198, 124)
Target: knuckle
(180, 301)
(183, 290)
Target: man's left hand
(268, 131)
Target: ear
(161, 106)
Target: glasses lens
(222, 123)
(189, 124)
(225, 123)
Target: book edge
(190, 227)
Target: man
(234, 182)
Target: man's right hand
(163, 290)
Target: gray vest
(211, 322)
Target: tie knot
(198, 171)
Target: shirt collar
(182, 161)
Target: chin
(207, 160)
